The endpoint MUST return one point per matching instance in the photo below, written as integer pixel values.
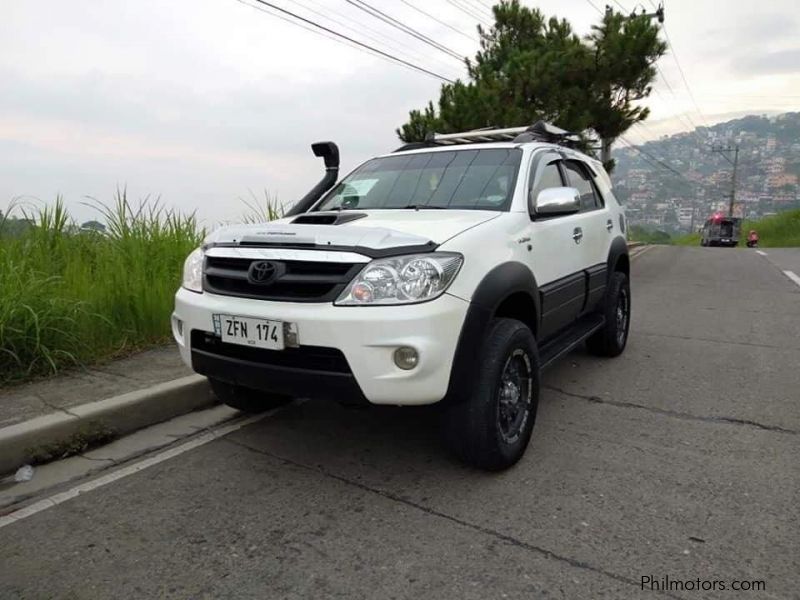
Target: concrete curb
(121, 414)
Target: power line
(478, 7)
(656, 160)
(594, 6)
(683, 76)
(466, 11)
(674, 95)
(659, 163)
(363, 29)
(445, 23)
(622, 8)
(343, 36)
(664, 79)
(378, 14)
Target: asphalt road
(681, 458)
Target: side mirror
(558, 201)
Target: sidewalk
(27, 401)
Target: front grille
(309, 358)
(301, 281)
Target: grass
(690, 239)
(778, 231)
(637, 233)
(70, 297)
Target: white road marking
(793, 276)
(761, 253)
(640, 252)
(87, 486)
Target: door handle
(577, 235)
(609, 224)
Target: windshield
(458, 179)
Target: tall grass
(778, 231)
(71, 297)
(261, 212)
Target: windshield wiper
(425, 207)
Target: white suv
(448, 271)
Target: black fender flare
(497, 285)
(619, 248)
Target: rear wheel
(611, 339)
(246, 399)
(492, 427)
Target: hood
(375, 229)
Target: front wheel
(492, 427)
(610, 340)
(246, 399)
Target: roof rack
(540, 131)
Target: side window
(548, 175)
(580, 179)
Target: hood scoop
(328, 218)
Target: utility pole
(658, 14)
(605, 144)
(724, 151)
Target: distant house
(93, 226)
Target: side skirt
(573, 335)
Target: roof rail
(538, 132)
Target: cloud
(203, 101)
(84, 135)
(782, 61)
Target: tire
(246, 399)
(611, 339)
(491, 428)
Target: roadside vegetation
(776, 231)
(71, 296)
(690, 239)
(637, 233)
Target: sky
(208, 103)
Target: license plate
(246, 331)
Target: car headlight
(402, 279)
(193, 271)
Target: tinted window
(466, 179)
(548, 176)
(579, 179)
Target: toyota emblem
(264, 272)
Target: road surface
(680, 459)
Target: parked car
(721, 231)
(450, 271)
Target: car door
(555, 258)
(597, 230)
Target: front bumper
(366, 336)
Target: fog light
(406, 357)
(177, 329)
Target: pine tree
(530, 68)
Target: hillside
(767, 177)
